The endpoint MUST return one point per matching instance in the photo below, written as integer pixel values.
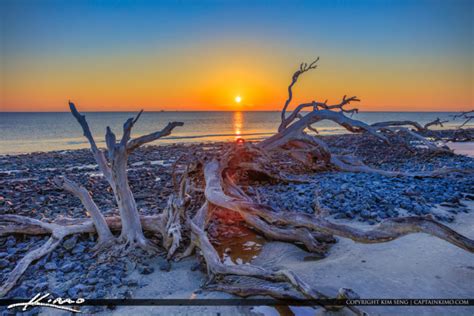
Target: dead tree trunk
(114, 170)
(313, 152)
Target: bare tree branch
(103, 231)
(303, 68)
(98, 154)
(127, 128)
(399, 123)
(434, 123)
(139, 141)
(316, 105)
(467, 115)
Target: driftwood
(398, 127)
(219, 176)
(310, 230)
(467, 116)
(314, 153)
(114, 171)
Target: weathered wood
(115, 171)
(103, 231)
(466, 115)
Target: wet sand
(466, 148)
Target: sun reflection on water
(237, 124)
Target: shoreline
(337, 132)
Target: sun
(238, 99)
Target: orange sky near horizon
(150, 82)
(127, 55)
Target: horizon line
(278, 111)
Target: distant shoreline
(162, 111)
(26, 132)
(461, 148)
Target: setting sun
(238, 99)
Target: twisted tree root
(221, 192)
(216, 267)
(58, 230)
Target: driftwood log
(215, 182)
(466, 116)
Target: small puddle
(235, 243)
(239, 250)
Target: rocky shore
(26, 188)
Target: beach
(359, 199)
(261, 158)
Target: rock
(125, 293)
(50, 266)
(100, 293)
(146, 270)
(115, 280)
(195, 266)
(42, 286)
(20, 292)
(11, 241)
(78, 249)
(4, 263)
(76, 290)
(131, 282)
(70, 243)
(349, 214)
(130, 265)
(92, 281)
(68, 267)
(165, 266)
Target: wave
(217, 135)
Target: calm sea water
(31, 132)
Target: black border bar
(267, 302)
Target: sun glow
(238, 99)
(237, 122)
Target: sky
(201, 55)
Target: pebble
(146, 270)
(70, 243)
(68, 267)
(165, 266)
(4, 263)
(50, 266)
(11, 241)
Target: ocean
(31, 132)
